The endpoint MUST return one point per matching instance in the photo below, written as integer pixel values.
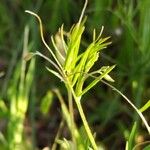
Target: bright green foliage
(73, 45)
(73, 66)
(128, 23)
(75, 69)
(46, 102)
(145, 107)
(131, 138)
(77, 66)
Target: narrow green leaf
(43, 40)
(58, 48)
(127, 146)
(29, 78)
(55, 73)
(132, 137)
(102, 40)
(145, 107)
(62, 33)
(91, 61)
(46, 102)
(94, 35)
(82, 62)
(107, 77)
(49, 60)
(96, 80)
(73, 47)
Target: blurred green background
(128, 24)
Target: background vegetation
(26, 86)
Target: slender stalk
(85, 123)
(50, 61)
(83, 10)
(54, 146)
(42, 37)
(67, 118)
(134, 107)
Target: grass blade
(145, 107)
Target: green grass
(107, 114)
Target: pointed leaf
(46, 102)
(73, 47)
(145, 107)
(132, 137)
(55, 73)
(97, 80)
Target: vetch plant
(76, 67)
(73, 67)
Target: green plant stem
(134, 107)
(85, 123)
(54, 146)
(67, 118)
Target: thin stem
(85, 123)
(42, 37)
(54, 146)
(67, 117)
(102, 29)
(139, 113)
(50, 61)
(83, 10)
